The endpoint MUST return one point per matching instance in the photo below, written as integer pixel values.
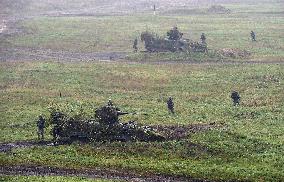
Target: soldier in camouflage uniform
(252, 34)
(236, 98)
(55, 134)
(135, 45)
(203, 38)
(40, 126)
(170, 105)
(109, 103)
(174, 34)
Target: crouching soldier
(236, 98)
(40, 126)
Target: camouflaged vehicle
(106, 126)
(172, 43)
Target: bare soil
(177, 132)
(91, 173)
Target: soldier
(252, 34)
(174, 34)
(109, 103)
(40, 126)
(203, 38)
(135, 45)
(236, 98)
(170, 104)
(55, 134)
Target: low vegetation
(248, 138)
(212, 139)
(117, 33)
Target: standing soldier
(55, 134)
(135, 45)
(170, 104)
(252, 34)
(203, 38)
(236, 98)
(40, 126)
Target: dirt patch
(6, 147)
(175, 132)
(234, 53)
(218, 9)
(90, 173)
(29, 54)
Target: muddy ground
(91, 173)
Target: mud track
(29, 54)
(90, 173)
(7, 147)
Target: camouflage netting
(104, 127)
(173, 43)
(218, 9)
(154, 43)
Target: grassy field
(244, 143)
(248, 146)
(116, 33)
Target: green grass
(48, 178)
(249, 146)
(201, 92)
(116, 33)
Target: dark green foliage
(198, 47)
(107, 115)
(154, 43)
(174, 43)
(104, 127)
